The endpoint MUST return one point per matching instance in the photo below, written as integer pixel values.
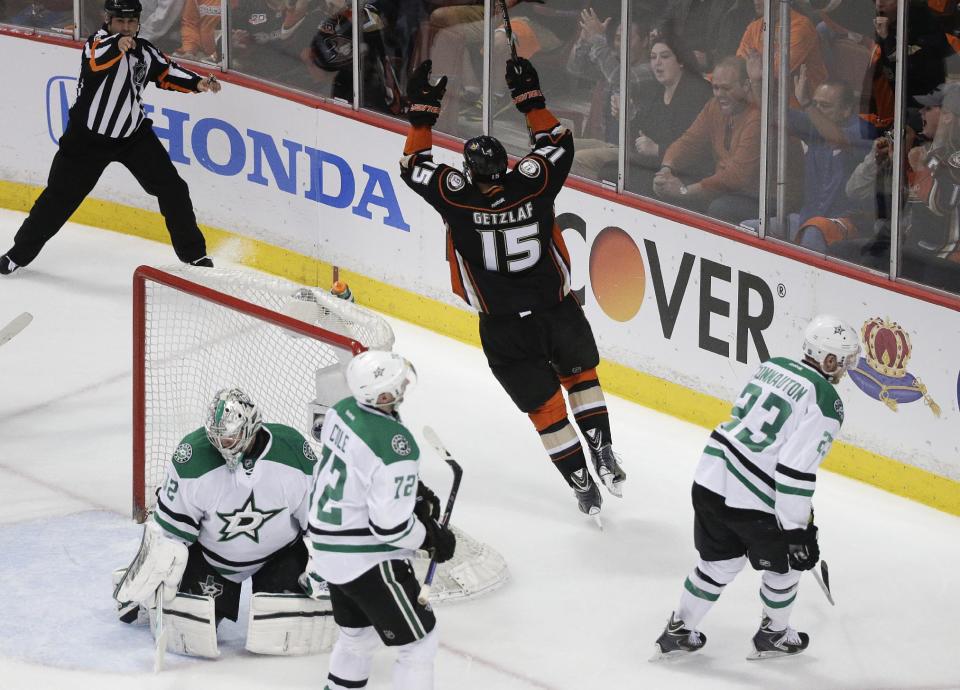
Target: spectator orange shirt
(804, 49)
(200, 27)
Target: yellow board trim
(650, 391)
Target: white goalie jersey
(239, 517)
(766, 457)
(361, 507)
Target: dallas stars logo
(378, 372)
(210, 587)
(246, 520)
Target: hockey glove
(313, 585)
(424, 97)
(803, 552)
(524, 85)
(427, 506)
(439, 541)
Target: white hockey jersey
(361, 507)
(766, 457)
(240, 517)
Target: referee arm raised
(106, 125)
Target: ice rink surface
(583, 607)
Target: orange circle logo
(617, 274)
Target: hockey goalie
(232, 506)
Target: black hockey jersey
(505, 250)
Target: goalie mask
(828, 336)
(484, 160)
(379, 379)
(232, 423)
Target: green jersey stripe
(186, 536)
(354, 548)
(409, 529)
(777, 604)
(785, 489)
(699, 593)
(717, 453)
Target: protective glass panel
(46, 16)
(545, 35)
(929, 232)
(829, 177)
(392, 32)
(301, 44)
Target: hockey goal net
(197, 330)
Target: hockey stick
(823, 579)
(434, 441)
(15, 326)
(502, 4)
(161, 630)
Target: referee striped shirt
(110, 91)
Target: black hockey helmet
(332, 46)
(484, 159)
(123, 8)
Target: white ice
(583, 607)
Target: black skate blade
(769, 654)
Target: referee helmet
(123, 8)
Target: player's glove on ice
(424, 97)
(803, 552)
(524, 85)
(427, 506)
(439, 541)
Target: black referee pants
(80, 161)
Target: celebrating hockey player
(368, 514)
(508, 260)
(233, 506)
(753, 489)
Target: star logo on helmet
(378, 372)
(838, 330)
(247, 520)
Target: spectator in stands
(804, 47)
(665, 111)
(836, 140)
(710, 29)
(596, 57)
(925, 68)
(200, 29)
(267, 37)
(726, 138)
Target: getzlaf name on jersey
(505, 249)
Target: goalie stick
(15, 326)
(161, 633)
(442, 451)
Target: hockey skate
(769, 643)
(607, 465)
(588, 494)
(677, 640)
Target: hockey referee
(107, 125)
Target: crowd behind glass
(861, 161)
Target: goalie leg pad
(191, 626)
(160, 561)
(290, 624)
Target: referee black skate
(107, 125)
